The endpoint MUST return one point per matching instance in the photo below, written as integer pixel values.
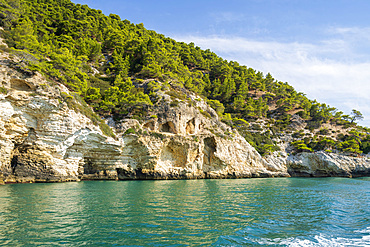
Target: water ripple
(245, 212)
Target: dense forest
(103, 58)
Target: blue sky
(321, 47)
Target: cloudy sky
(322, 48)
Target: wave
(362, 239)
(323, 241)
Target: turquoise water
(242, 212)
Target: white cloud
(227, 17)
(354, 32)
(328, 70)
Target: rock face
(173, 153)
(321, 164)
(38, 132)
(42, 139)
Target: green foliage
(320, 113)
(282, 122)
(356, 115)
(122, 98)
(174, 103)
(267, 149)
(106, 129)
(3, 90)
(300, 146)
(130, 131)
(217, 106)
(67, 38)
(298, 134)
(71, 37)
(10, 11)
(68, 42)
(240, 122)
(154, 86)
(158, 135)
(365, 145)
(93, 96)
(350, 146)
(261, 141)
(322, 143)
(76, 103)
(176, 95)
(324, 131)
(353, 143)
(205, 113)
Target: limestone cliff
(40, 136)
(316, 164)
(322, 164)
(44, 139)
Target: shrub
(324, 131)
(174, 103)
(176, 95)
(240, 122)
(106, 129)
(157, 135)
(298, 134)
(205, 113)
(3, 90)
(217, 106)
(130, 131)
(300, 146)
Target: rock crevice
(43, 140)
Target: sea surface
(239, 212)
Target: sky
(320, 47)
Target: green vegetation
(353, 143)
(3, 90)
(130, 131)
(76, 103)
(300, 146)
(205, 113)
(102, 59)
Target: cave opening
(168, 127)
(190, 127)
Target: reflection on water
(284, 211)
(27, 210)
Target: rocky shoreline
(43, 139)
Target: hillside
(115, 70)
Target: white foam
(321, 241)
(367, 230)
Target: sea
(232, 212)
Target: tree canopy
(99, 57)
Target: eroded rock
(43, 140)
